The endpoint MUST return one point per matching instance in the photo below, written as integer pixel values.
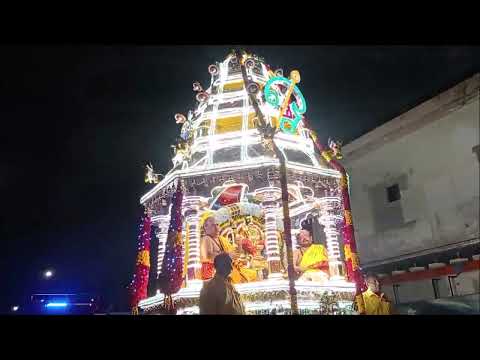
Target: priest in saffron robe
(212, 244)
(375, 302)
(310, 260)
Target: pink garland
(171, 276)
(139, 285)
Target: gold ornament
(326, 155)
(352, 256)
(348, 217)
(150, 176)
(143, 258)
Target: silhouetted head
(223, 264)
(304, 237)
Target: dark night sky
(78, 123)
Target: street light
(15, 308)
(48, 274)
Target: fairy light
(270, 196)
(190, 205)
(252, 164)
(270, 230)
(161, 222)
(329, 220)
(266, 286)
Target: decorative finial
(197, 87)
(150, 176)
(295, 76)
(213, 69)
(180, 118)
(335, 148)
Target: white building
(415, 197)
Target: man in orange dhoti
(212, 245)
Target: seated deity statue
(253, 252)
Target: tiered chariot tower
(228, 169)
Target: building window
(393, 193)
(453, 286)
(395, 293)
(436, 290)
(476, 150)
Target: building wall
(466, 283)
(437, 174)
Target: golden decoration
(295, 79)
(348, 217)
(233, 210)
(355, 261)
(352, 256)
(326, 155)
(178, 238)
(348, 252)
(143, 258)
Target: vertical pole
(283, 182)
(287, 228)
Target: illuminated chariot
(228, 160)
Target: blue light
(55, 304)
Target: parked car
(458, 305)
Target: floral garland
(171, 275)
(138, 286)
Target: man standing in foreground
(218, 296)
(376, 303)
